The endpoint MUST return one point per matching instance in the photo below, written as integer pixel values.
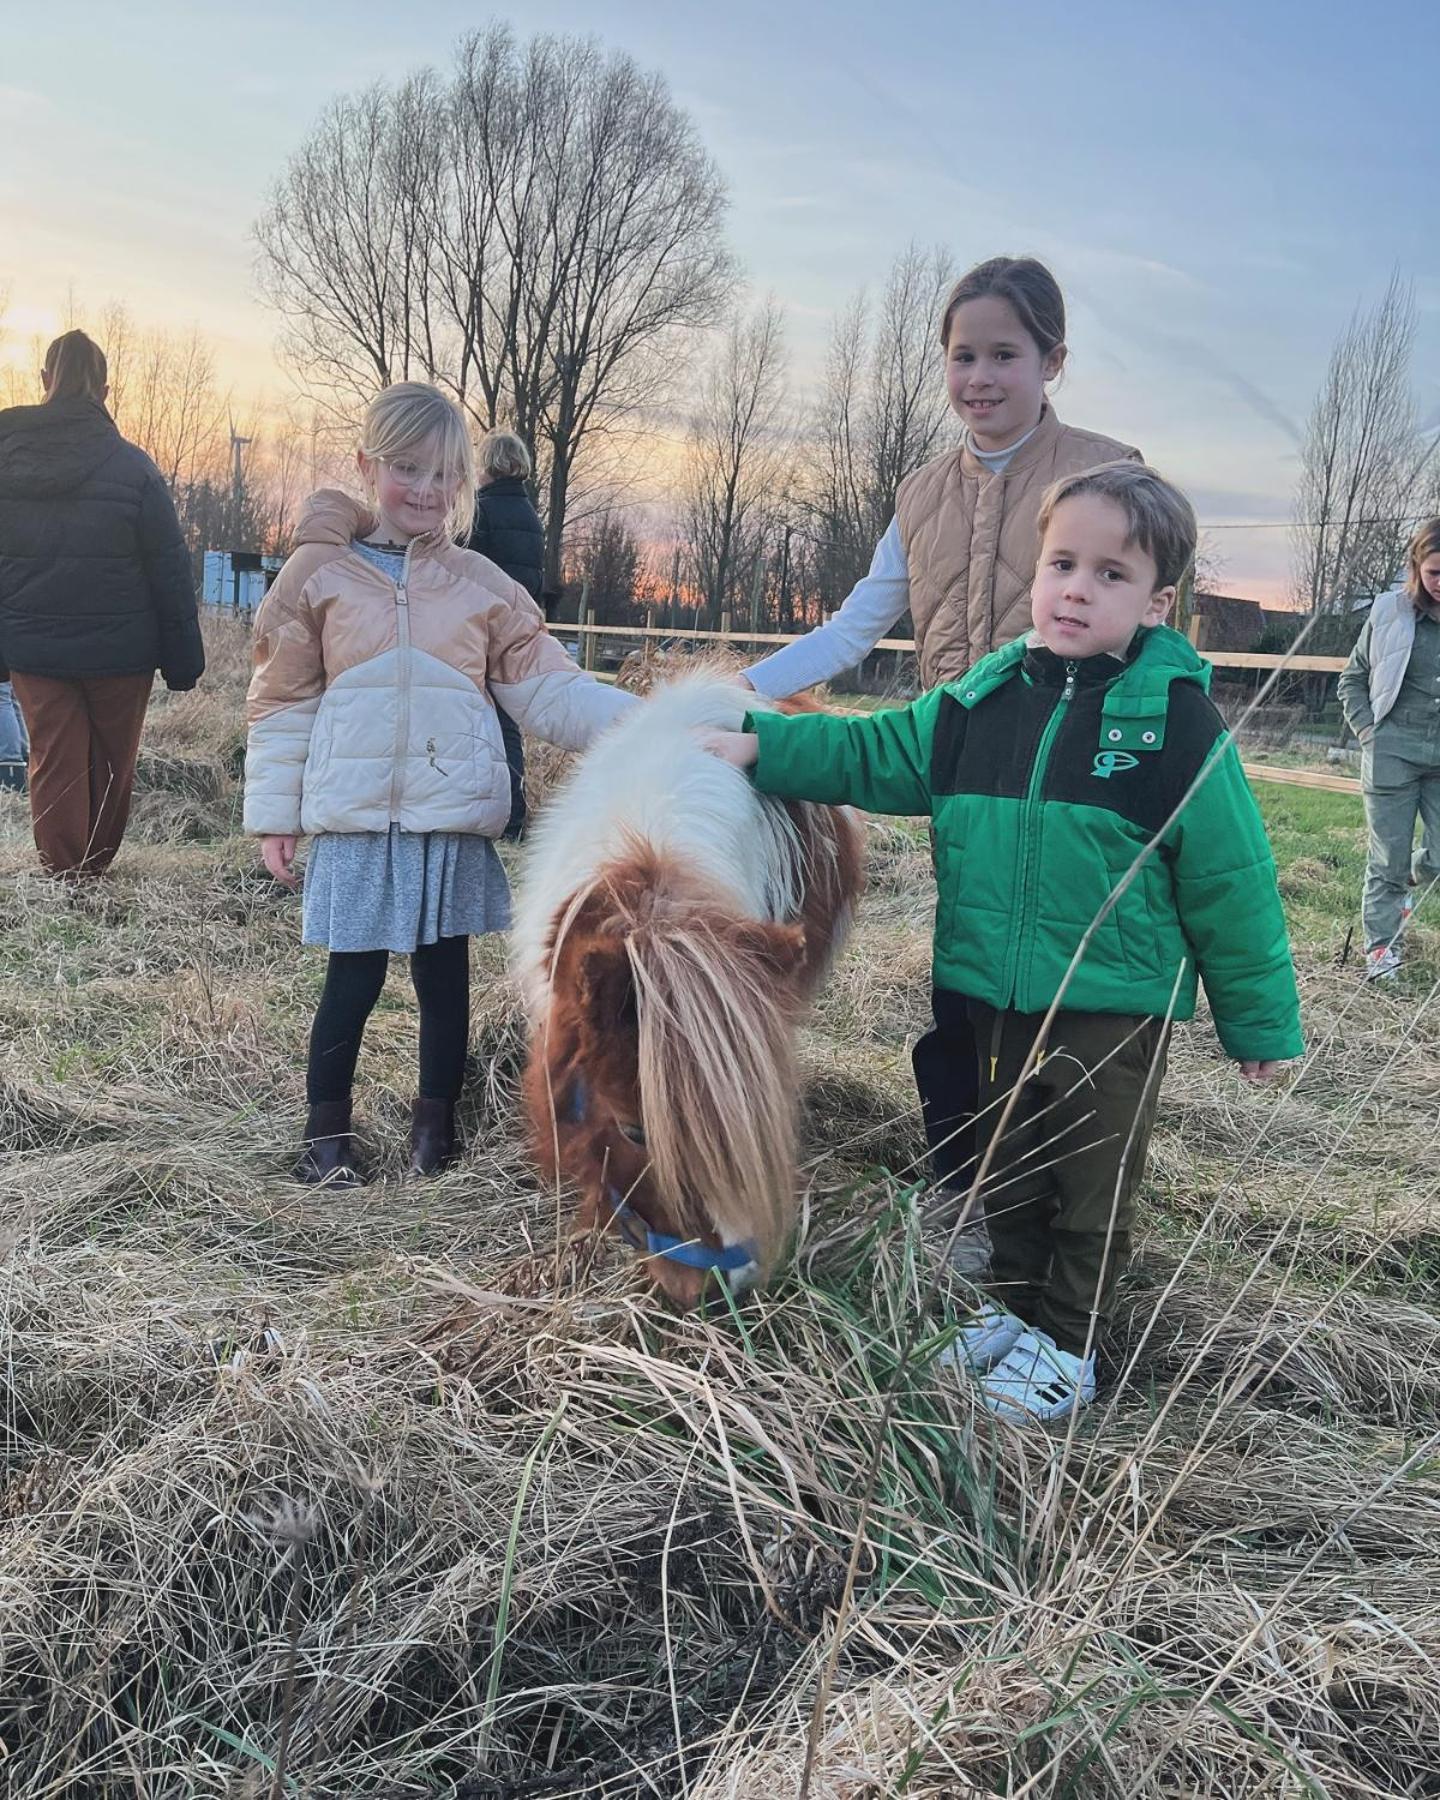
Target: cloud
(1221, 505)
(18, 104)
(1190, 353)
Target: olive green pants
(1400, 780)
(1060, 1195)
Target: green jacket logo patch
(1110, 762)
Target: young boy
(1046, 770)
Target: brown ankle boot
(330, 1157)
(432, 1136)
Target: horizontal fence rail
(1222, 659)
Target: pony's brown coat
(672, 1016)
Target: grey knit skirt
(378, 890)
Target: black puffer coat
(94, 574)
(508, 530)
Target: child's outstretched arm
(1229, 901)
(881, 763)
(538, 684)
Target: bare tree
(19, 381)
(171, 405)
(607, 556)
(1365, 466)
(882, 413)
(735, 459)
(530, 231)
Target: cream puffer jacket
(369, 706)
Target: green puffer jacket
(1045, 779)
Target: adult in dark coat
(95, 595)
(509, 531)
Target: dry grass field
(407, 1493)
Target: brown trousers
(1060, 1197)
(84, 739)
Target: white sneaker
(984, 1338)
(1382, 963)
(1039, 1380)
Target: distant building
(238, 579)
(1226, 623)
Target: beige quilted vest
(971, 542)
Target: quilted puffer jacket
(508, 530)
(94, 573)
(368, 703)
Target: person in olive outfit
(509, 531)
(1390, 691)
(1047, 769)
(96, 593)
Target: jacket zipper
(1023, 929)
(402, 687)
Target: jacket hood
(330, 517)
(50, 450)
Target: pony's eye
(635, 1133)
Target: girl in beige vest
(960, 554)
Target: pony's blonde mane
(719, 910)
(717, 1081)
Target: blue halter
(687, 1251)
(693, 1254)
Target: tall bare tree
(530, 230)
(1365, 467)
(735, 458)
(607, 557)
(882, 412)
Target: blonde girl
(1390, 692)
(372, 731)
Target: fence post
(587, 637)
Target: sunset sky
(1215, 185)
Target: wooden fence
(588, 632)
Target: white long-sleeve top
(871, 608)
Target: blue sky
(1215, 185)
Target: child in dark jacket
(509, 531)
(1047, 770)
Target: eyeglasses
(417, 477)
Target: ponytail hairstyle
(1425, 543)
(411, 418)
(1026, 286)
(75, 369)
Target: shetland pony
(670, 927)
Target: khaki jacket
(368, 704)
(971, 542)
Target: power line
(1304, 524)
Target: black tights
(441, 973)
